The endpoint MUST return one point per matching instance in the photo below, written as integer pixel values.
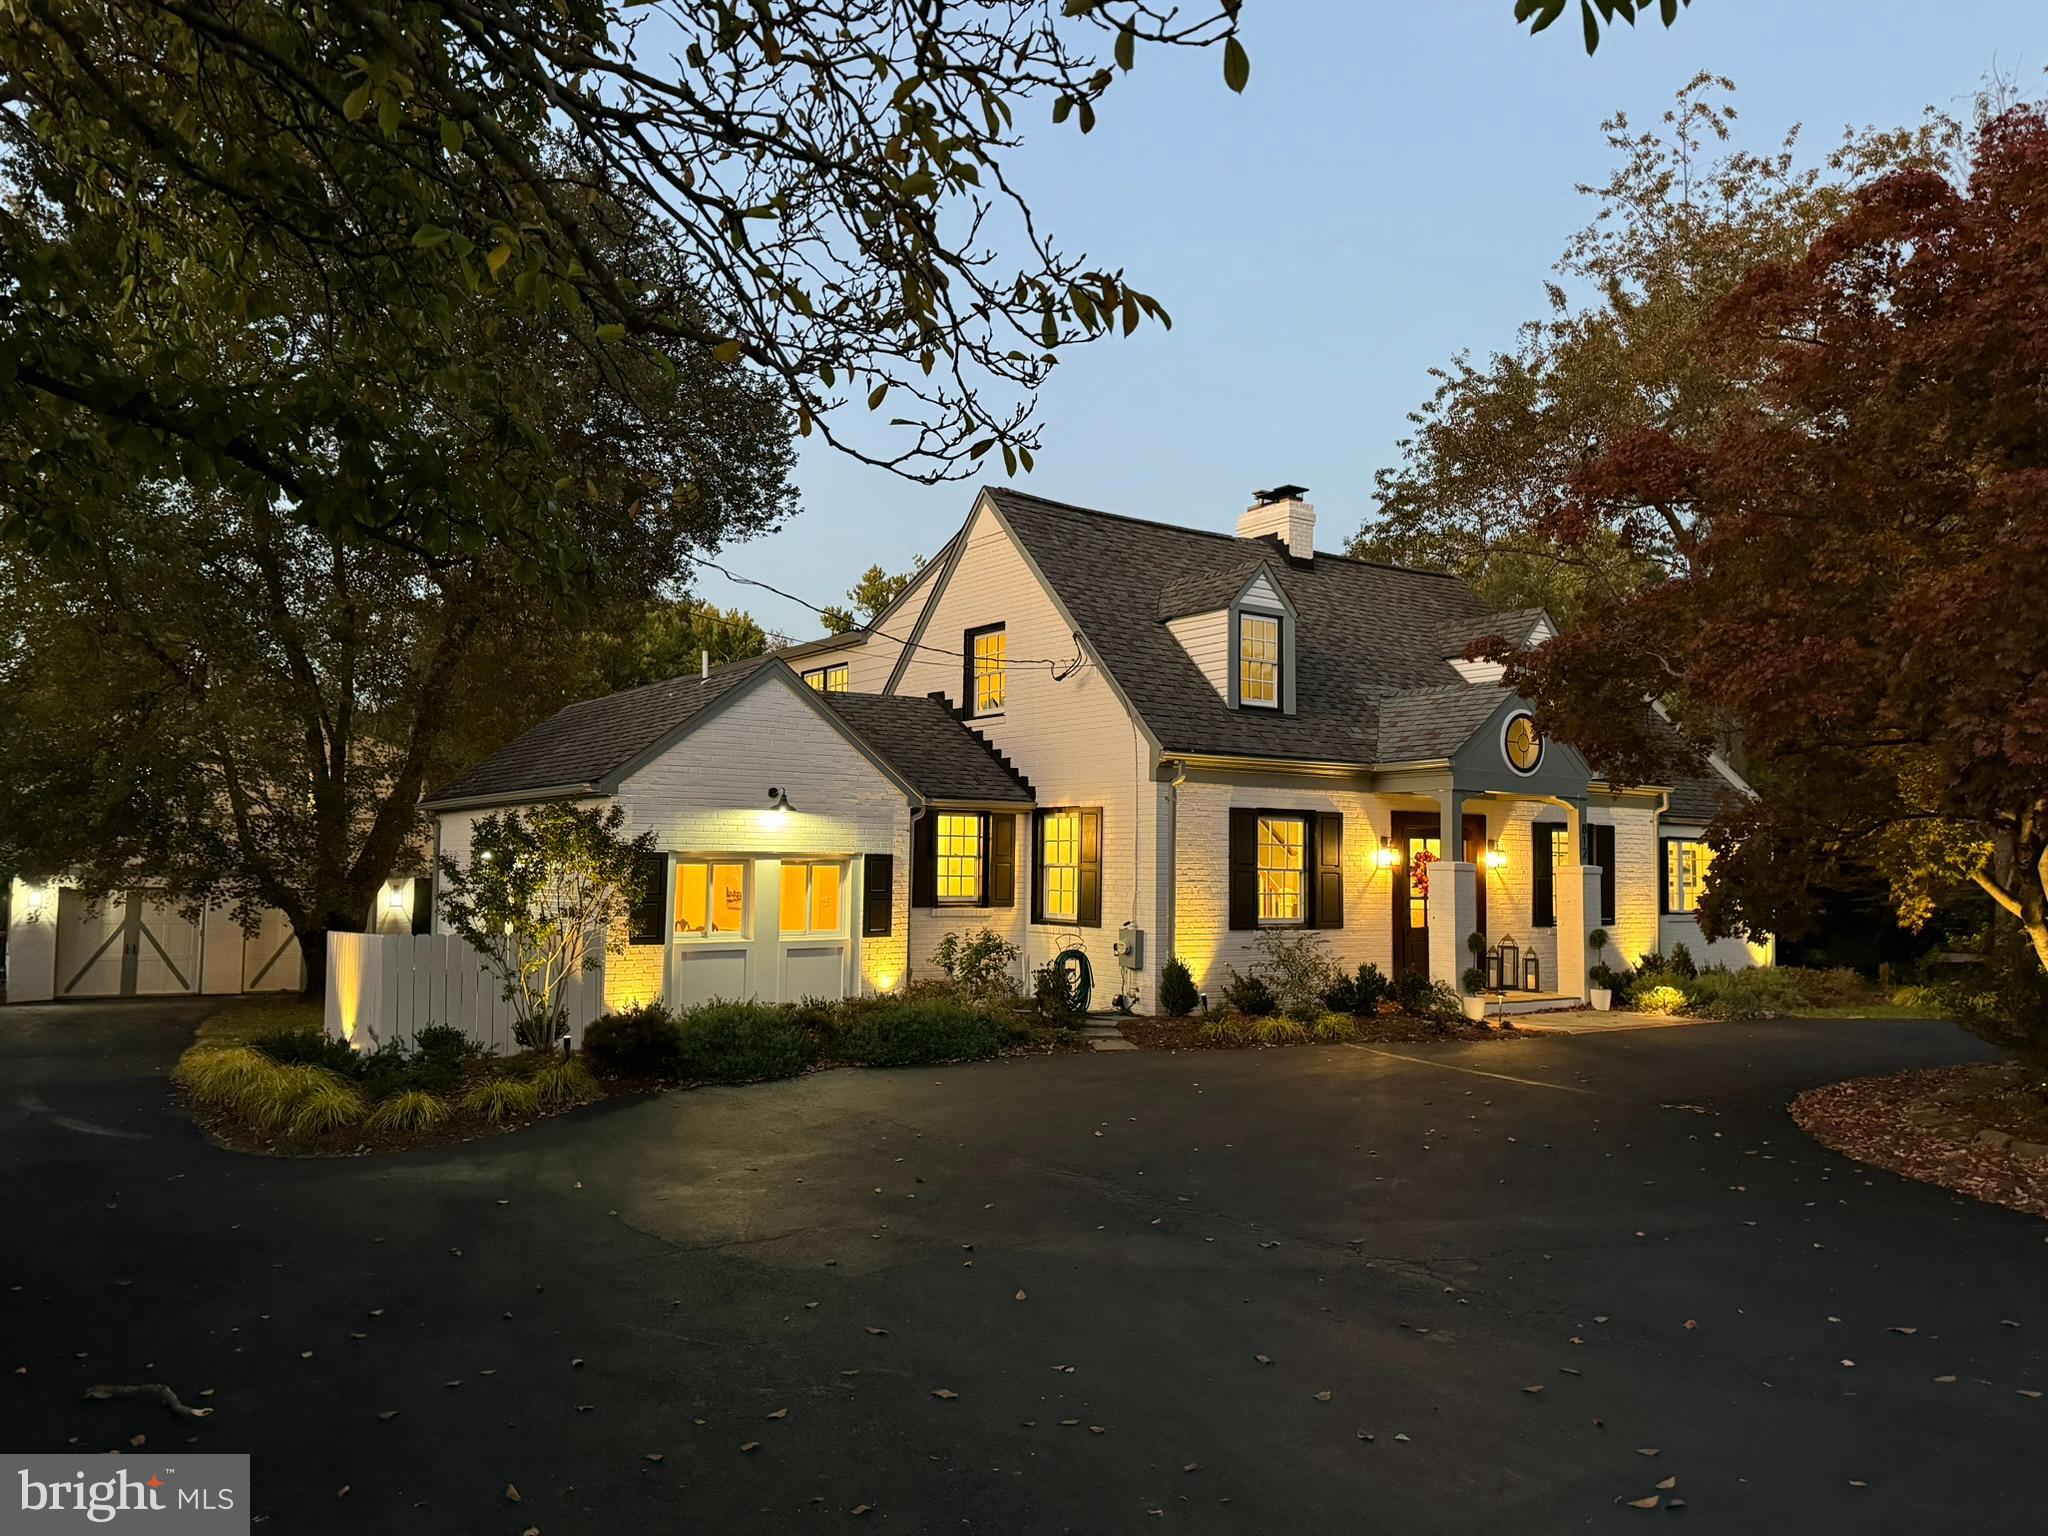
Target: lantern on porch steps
(1532, 972)
(1495, 977)
(1510, 961)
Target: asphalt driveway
(1300, 1290)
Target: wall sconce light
(777, 800)
(32, 899)
(1496, 856)
(1388, 856)
(395, 898)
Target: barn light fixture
(1388, 855)
(32, 903)
(777, 800)
(394, 898)
(1496, 856)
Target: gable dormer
(1236, 623)
(1522, 628)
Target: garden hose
(1083, 972)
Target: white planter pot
(1475, 1009)
(1601, 997)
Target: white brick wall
(1073, 740)
(1634, 928)
(1204, 937)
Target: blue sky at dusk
(1393, 186)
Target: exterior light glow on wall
(778, 801)
(1496, 856)
(394, 898)
(1388, 855)
(32, 903)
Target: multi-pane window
(1258, 660)
(987, 670)
(1059, 863)
(1685, 873)
(959, 859)
(710, 899)
(810, 898)
(1283, 846)
(830, 679)
(1422, 853)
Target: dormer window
(987, 657)
(1258, 660)
(832, 679)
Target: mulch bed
(1153, 1034)
(1926, 1125)
(226, 1129)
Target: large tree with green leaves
(245, 708)
(1628, 346)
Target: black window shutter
(1088, 905)
(1542, 875)
(878, 896)
(1603, 850)
(999, 873)
(1668, 849)
(924, 860)
(1038, 866)
(1327, 831)
(1244, 869)
(643, 922)
(423, 904)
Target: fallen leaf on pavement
(512, 1493)
(945, 1394)
(1650, 1501)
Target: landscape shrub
(1253, 1029)
(1248, 993)
(817, 1017)
(1298, 968)
(1474, 980)
(1335, 1028)
(230, 1078)
(1744, 994)
(1359, 995)
(1682, 963)
(564, 1081)
(1661, 998)
(409, 1110)
(643, 1041)
(1178, 995)
(497, 1099)
(1615, 981)
(1929, 1000)
(916, 1032)
(277, 1097)
(1056, 994)
(332, 1103)
(1416, 993)
(1836, 987)
(983, 965)
(307, 1048)
(720, 1042)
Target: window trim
(979, 897)
(1045, 867)
(1671, 847)
(1544, 863)
(839, 915)
(744, 934)
(970, 692)
(1304, 820)
(825, 673)
(1238, 616)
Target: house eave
(524, 796)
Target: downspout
(1169, 913)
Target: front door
(1418, 840)
(1419, 834)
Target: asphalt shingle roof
(1208, 590)
(1427, 723)
(585, 744)
(922, 740)
(1460, 637)
(1367, 631)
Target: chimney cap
(1280, 493)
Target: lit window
(1282, 848)
(1258, 660)
(830, 679)
(1685, 874)
(1059, 864)
(987, 667)
(711, 899)
(959, 851)
(1422, 853)
(810, 898)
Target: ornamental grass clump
(564, 1082)
(496, 1100)
(331, 1104)
(409, 1111)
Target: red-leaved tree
(1866, 595)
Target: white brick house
(1094, 732)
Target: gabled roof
(1368, 630)
(926, 744)
(1424, 724)
(1209, 590)
(1459, 638)
(577, 748)
(587, 748)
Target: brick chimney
(1281, 513)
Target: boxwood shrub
(741, 1043)
(913, 1033)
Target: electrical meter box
(1129, 947)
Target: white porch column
(1575, 895)
(1450, 920)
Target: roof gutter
(514, 797)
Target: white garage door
(270, 958)
(132, 947)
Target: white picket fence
(385, 987)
